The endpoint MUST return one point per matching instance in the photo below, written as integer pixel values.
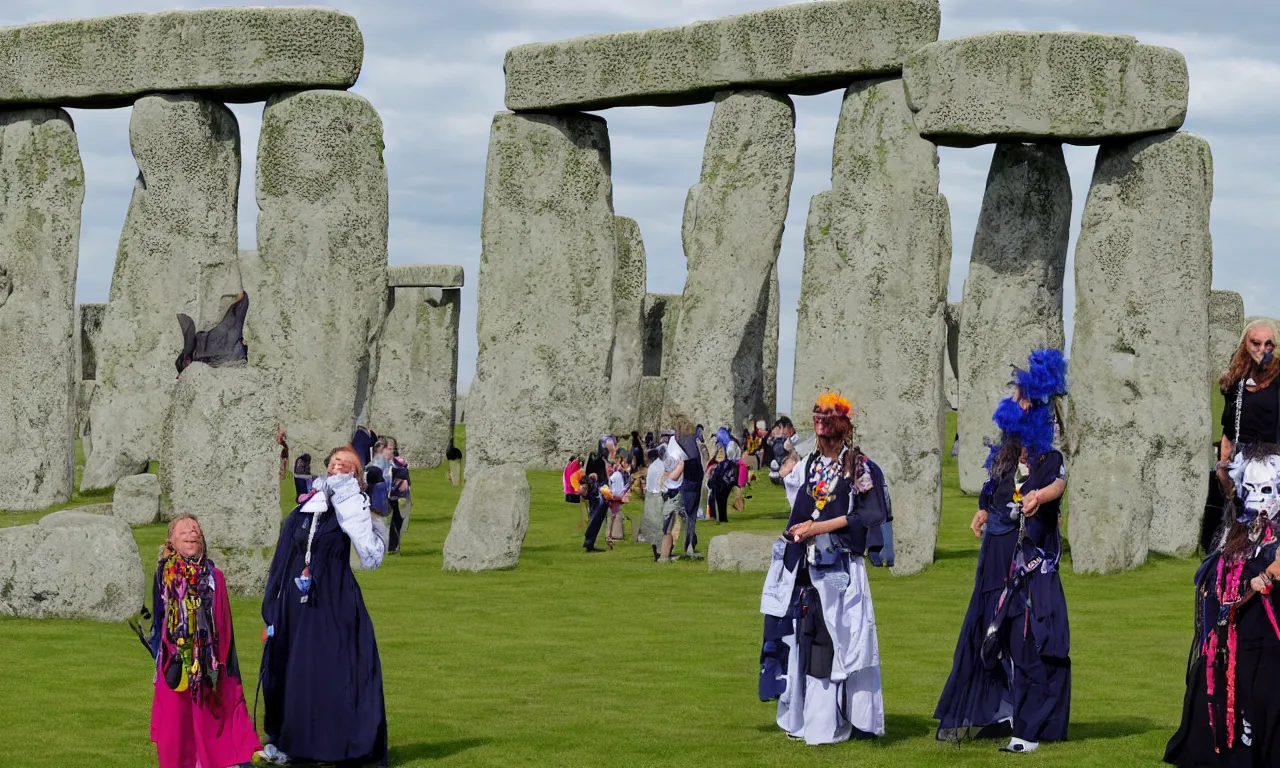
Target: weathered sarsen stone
(1013, 295)
(177, 254)
(89, 321)
(951, 365)
(41, 191)
(545, 302)
(733, 221)
(746, 552)
(137, 499)
(219, 460)
(417, 378)
(1077, 87)
(70, 565)
(627, 362)
(490, 521)
(661, 316)
(799, 48)
(1226, 324)
(1139, 426)
(871, 319)
(770, 384)
(321, 263)
(424, 276)
(241, 54)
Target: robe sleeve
(157, 614)
(984, 496)
(368, 536)
(276, 574)
(793, 482)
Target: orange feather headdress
(833, 401)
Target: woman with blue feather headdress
(1011, 674)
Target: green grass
(611, 660)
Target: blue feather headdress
(1044, 378)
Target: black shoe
(1000, 730)
(591, 549)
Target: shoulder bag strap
(1235, 444)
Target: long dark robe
(1035, 639)
(1250, 736)
(321, 675)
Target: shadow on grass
(435, 750)
(1119, 728)
(896, 728)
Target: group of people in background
(682, 475)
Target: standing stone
(321, 264)
(661, 317)
(1226, 324)
(652, 390)
(951, 365)
(137, 499)
(771, 349)
(1139, 426)
(545, 301)
(871, 319)
(490, 521)
(1013, 296)
(733, 221)
(220, 461)
(417, 382)
(71, 565)
(89, 321)
(41, 191)
(177, 255)
(628, 339)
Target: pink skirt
(187, 736)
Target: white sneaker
(269, 755)
(1020, 746)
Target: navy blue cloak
(321, 675)
(1035, 638)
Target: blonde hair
(1242, 362)
(167, 551)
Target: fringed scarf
(190, 633)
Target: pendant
(303, 583)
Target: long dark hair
(1007, 458)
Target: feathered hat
(1044, 378)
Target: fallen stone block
(240, 54)
(742, 552)
(70, 565)
(804, 48)
(490, 520)
(137, 499)
(1074, 87)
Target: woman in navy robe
(1011, 674)
(321, 676)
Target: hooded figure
(821, 657)
(1011, 673)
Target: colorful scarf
(189, 629)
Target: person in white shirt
(651, 522)
(672, 505)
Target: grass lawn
(611, 660)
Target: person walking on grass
(821, 655)
(1011, 673)
(674, 462)
(691, 476)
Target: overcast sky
(433, 69)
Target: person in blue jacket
(1011, 673)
